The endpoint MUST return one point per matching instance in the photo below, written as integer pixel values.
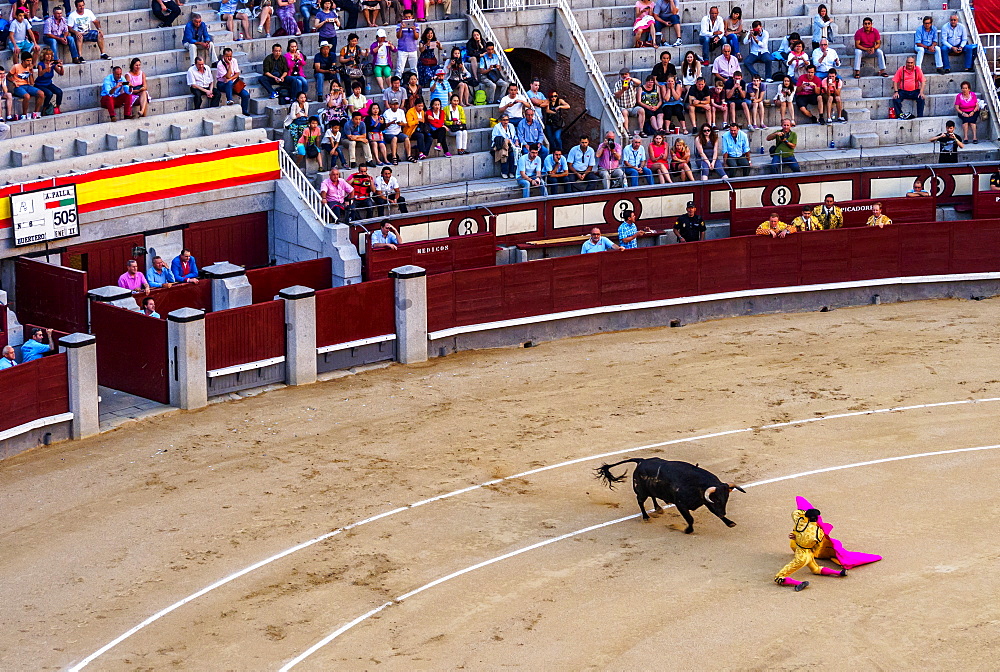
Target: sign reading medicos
(45, 214)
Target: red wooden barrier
(267, 282)
(437, 256)
(34, 390)
(131, 352)
(354, 312)
(744, 221)
(985, 204)
(185, 295)
(53, 296)
(244, 335)
(546, 286)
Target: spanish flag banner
(160, 179)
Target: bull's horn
(733, 486)
(708, 495)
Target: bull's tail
(603, 473)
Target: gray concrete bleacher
(608, 28)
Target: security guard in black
(690, 227)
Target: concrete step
(598, 18)
(864, 140)
(120, 157)
(88, 140)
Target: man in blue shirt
(149, 307)
(629, 231)
(196, 36)
(597, 243)
(34, 349)
(556, 172)
(492, 74)
(529, 173)
(634, 162)
(530, 132)
(925, 39)
(159, 275)
(184, 267)
(955, 39)
(7, 358)
(387, 236)
(582, 164)
(667, 15)
(736, 151)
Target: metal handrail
(476, 12)
(611, 107)
(306, 190)
(986, 66)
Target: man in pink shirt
(337, 193)
(867, 43)
(725, 65)
(132, 279)
(908, 84)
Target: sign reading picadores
(45, 214)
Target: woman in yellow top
(454, 119)
(877, 218)
(775, 228)
(807, 542)
(416, 128)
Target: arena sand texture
(98, 535)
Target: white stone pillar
(300, 334)
(230, 287)
(115, 296)
(411, 313)
(345, 258)
(81, 370)
(188, 361)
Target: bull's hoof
(730, 523)
(645, 519)
(688, 530)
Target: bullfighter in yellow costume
(809, 542)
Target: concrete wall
(296, 234)
(155, 215)
(527, 28)
(60, 431)
(687, 313)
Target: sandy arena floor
(101, 534)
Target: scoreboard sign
(45, 214)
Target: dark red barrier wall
(240, 240)
(345, 314)
(244, 335)
(725, 265)
(267, 282)
(744, 221)
(185, 295)
(34, 390)
(986, 204)
(131, 352)
(51, 296)
(436, 256)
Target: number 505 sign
(44, 214)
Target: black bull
(686, 486)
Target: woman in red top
(659, 158)
(436, 119)
(681, 160)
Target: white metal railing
(611, 109)
(986, 56)
(476, 12)
(513, 5)
(305, 188)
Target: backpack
(479, 98)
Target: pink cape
(846, 559)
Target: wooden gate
(131, 352)
(50, 296)
(239, 240)
(104, 260)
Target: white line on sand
(436, 582)
(315, 540)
